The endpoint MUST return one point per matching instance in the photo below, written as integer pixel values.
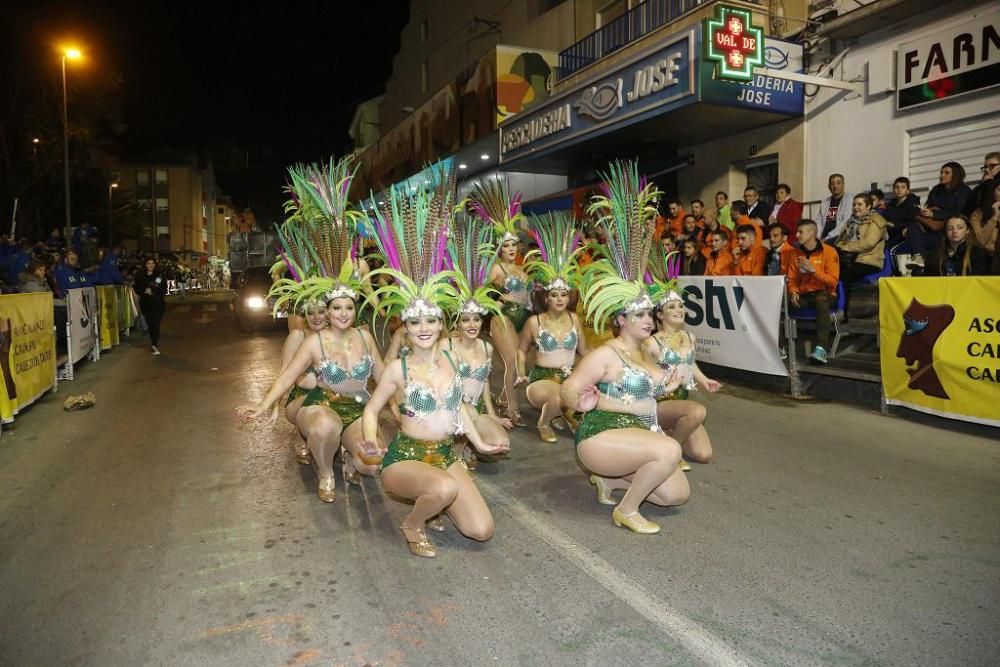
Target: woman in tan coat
(861, 245)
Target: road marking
(698, 641)
(182, 309)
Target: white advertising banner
(736, 320)
(81, 305)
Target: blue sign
(654, 82)
(762, 92)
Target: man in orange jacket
(813, 274)
(720, 259)
(780, 254)
(738, 211)
(750, 255)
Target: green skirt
(346, 407)
(296, 393)
(438, 453)
(481, 406)
(598, 421)
(541, 373)
(516, 313)
(680, 394)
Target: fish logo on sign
(775, 58)
(601, 101)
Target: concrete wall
(863, 136)
(720, 164)
(454, 42)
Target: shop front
(698, 122)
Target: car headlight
(255, 302)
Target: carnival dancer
(472, 255)
(619, 439)
(673, 349)
(556, 334)
(492, 202)
(314, 316)
(316, 242)
(421, 464)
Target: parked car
(251, 306)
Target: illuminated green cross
(733, 43)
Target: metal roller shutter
(965, 142)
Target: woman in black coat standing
(151, 287)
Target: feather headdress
(491, 201)
(473, 254)
(411, 234)
(553, 265)
(317, 236)
(626, 211)
(661, 276)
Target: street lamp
(111, 188)
(70, 53)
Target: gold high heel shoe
(437, 524)
(470, 458)
(603, 492)
(303, 455)
(325, 489)
(546, 433)
(684, 465)
(571, 419)
(421, 546)
(634, 522)
(351, 475)
(514, 416)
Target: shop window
(763, 175)
(162, 205)
(163, 231)
(161, 176)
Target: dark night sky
(280, 79)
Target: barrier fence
(96, 319)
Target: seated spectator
(69, 275)
(701, 216)
(985, 223)
(786, 212)
(901, 210)
(944, 201)
(711, 227)
(813, 274)
(18, 260)
(108, 272)
(757, 208)
(673, 223)
(780, 254)
(862, 243)
(958, 254)
(32, 279)
(690, 230)
(723, 210)
(750, 255)
(720, 259)
(694, 262)
(55, 240)
(834, 211)
(740, 217)
(982, 194)
(668, 244)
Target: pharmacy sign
(733, 43)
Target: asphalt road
(156, 529)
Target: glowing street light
(111, 188)
(68, 53)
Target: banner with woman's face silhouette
(27, 350)
(940, 345)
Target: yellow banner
(27, 350)
(941, 345)
(107, 303)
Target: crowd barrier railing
(27, 351)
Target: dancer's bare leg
(686, 419)
(352, 440)
(650, 458)
(505, 340)
(431, 489)
(468, 510)
(544, 395)
(491, 430)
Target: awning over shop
(661, 98)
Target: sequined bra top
(474, 378)
(634, 392)
(347, 382)
(669, 359)
(560, 352)
(420, 401)
(516, 288)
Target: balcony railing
(627, 28)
